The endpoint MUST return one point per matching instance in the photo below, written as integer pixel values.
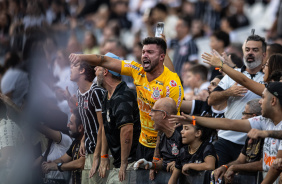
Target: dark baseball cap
(275, 88)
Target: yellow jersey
(166, 85)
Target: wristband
(225, 166)
(156, 158)
(105, 156)
(193, 121)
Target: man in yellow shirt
(152, 80)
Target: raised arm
(97, 60)
(215, 123)
(217, 97)
(234, 74)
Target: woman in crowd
(197, 154)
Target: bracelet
(193, 121)
(105, 156)
(220, 68)
(155, 158)
(225, 166)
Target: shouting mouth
(250, 59)
(146, 63)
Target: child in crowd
(197, 154)
(197, 81)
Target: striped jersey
(89, 103)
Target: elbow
(211, 100)
(81, 164)
(210, 167)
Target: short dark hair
(155, 40)
(187, 20)
(206, 132)
(258, 39)
(233, 22)
(219, 77)
(162, 7)
(222, 36)
(89, 71)
(199, 69)
(237, 60)
(78, 120)
(275, 48)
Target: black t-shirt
(202, 108)
(73, 152)
(121, 110)
(169, 147)
(184, 157)
(253, 151)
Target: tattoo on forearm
(126, 141)
(102, 59)
(276, 134)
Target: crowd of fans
(87, 87)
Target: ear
(80, 129)
(106, 71)
(274, 101)
(81, 70)
(263, 54)
(198, 133)
(162, 57)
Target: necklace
(193, 151)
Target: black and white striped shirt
(89, 103)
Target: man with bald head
(170, 139)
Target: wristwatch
(59, 165)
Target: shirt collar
(185, 40)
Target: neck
(155, 73)
(276, 116)
(168, 131)
(110, 86)
(194, 146)
(83, 85)
(255, 70)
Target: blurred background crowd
(37, 36)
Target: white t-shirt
(271, 145)
(56, 151)
(236, 106)
(10, 133)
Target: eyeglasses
(264, 65)
(158, 110)
(245, 113)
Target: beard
(74, 135)
(100, 80)
(254, 64)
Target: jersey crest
(156, 93)
(85, 104)
(174, 149)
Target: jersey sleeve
(257, 122)
(96, 98)
(209, 151)
(197, 106)
(225, 83)
(175, 90)
(124, 109)
(130, 68)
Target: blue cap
(109, 54)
